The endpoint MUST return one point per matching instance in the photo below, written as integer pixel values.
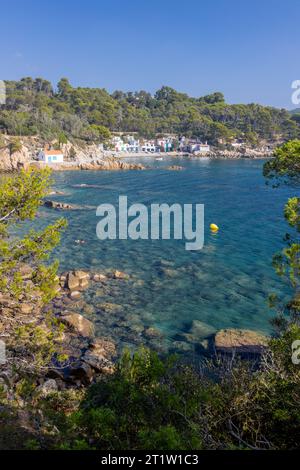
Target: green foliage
(15, 146)
(91, 113)
(285, 166)
(62, 138)
(2, 141)
(161, 405)
(27, 279)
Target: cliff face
(15, 161)
(31, 146)
(76, 157)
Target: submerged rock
(75, 294)
(152, 333)
(99, 277)
(110, 307)
(200, 330)
(182, 346)
(120, 275)
(240, 341)
(175, 168)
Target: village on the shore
(122, 145)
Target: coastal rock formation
(14, 161)
(175, 168)
(75, 280)
(78, 323)
(99, 277)
(152, 333)
(120, 275)
(240, 341)
(244, 152)
(110, 164)
(59, 205)
(98, 362)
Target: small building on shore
(149, 146)
(238, 143)
(51, 156)
(196, 147)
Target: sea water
(224, 285)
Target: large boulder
(120, 275)
(77, 280)
(80, 373)
(99, 354)
(245, 342)
(78, 324)
(50, 386)
(59, 205)
(14, 161)
(98, 362)
(102, 346)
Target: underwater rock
(168, 272)
(110, 307)
(151, 333)
(182, 346)
(75, 294)
(200, 330)
(88, 309)
(99, 277)
(175, 168)
(120, 275)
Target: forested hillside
(33, 107)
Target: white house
(238, 143)
(51, 156)
(197, 147)
(204, 148)
(149, 146)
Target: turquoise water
(225, 284)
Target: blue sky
(249, 50)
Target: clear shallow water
(224, 285)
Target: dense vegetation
(33, 107)
(150, 402)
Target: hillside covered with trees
(34, 107)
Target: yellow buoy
(214, 227)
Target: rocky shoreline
(89, 357)
(91, 157)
